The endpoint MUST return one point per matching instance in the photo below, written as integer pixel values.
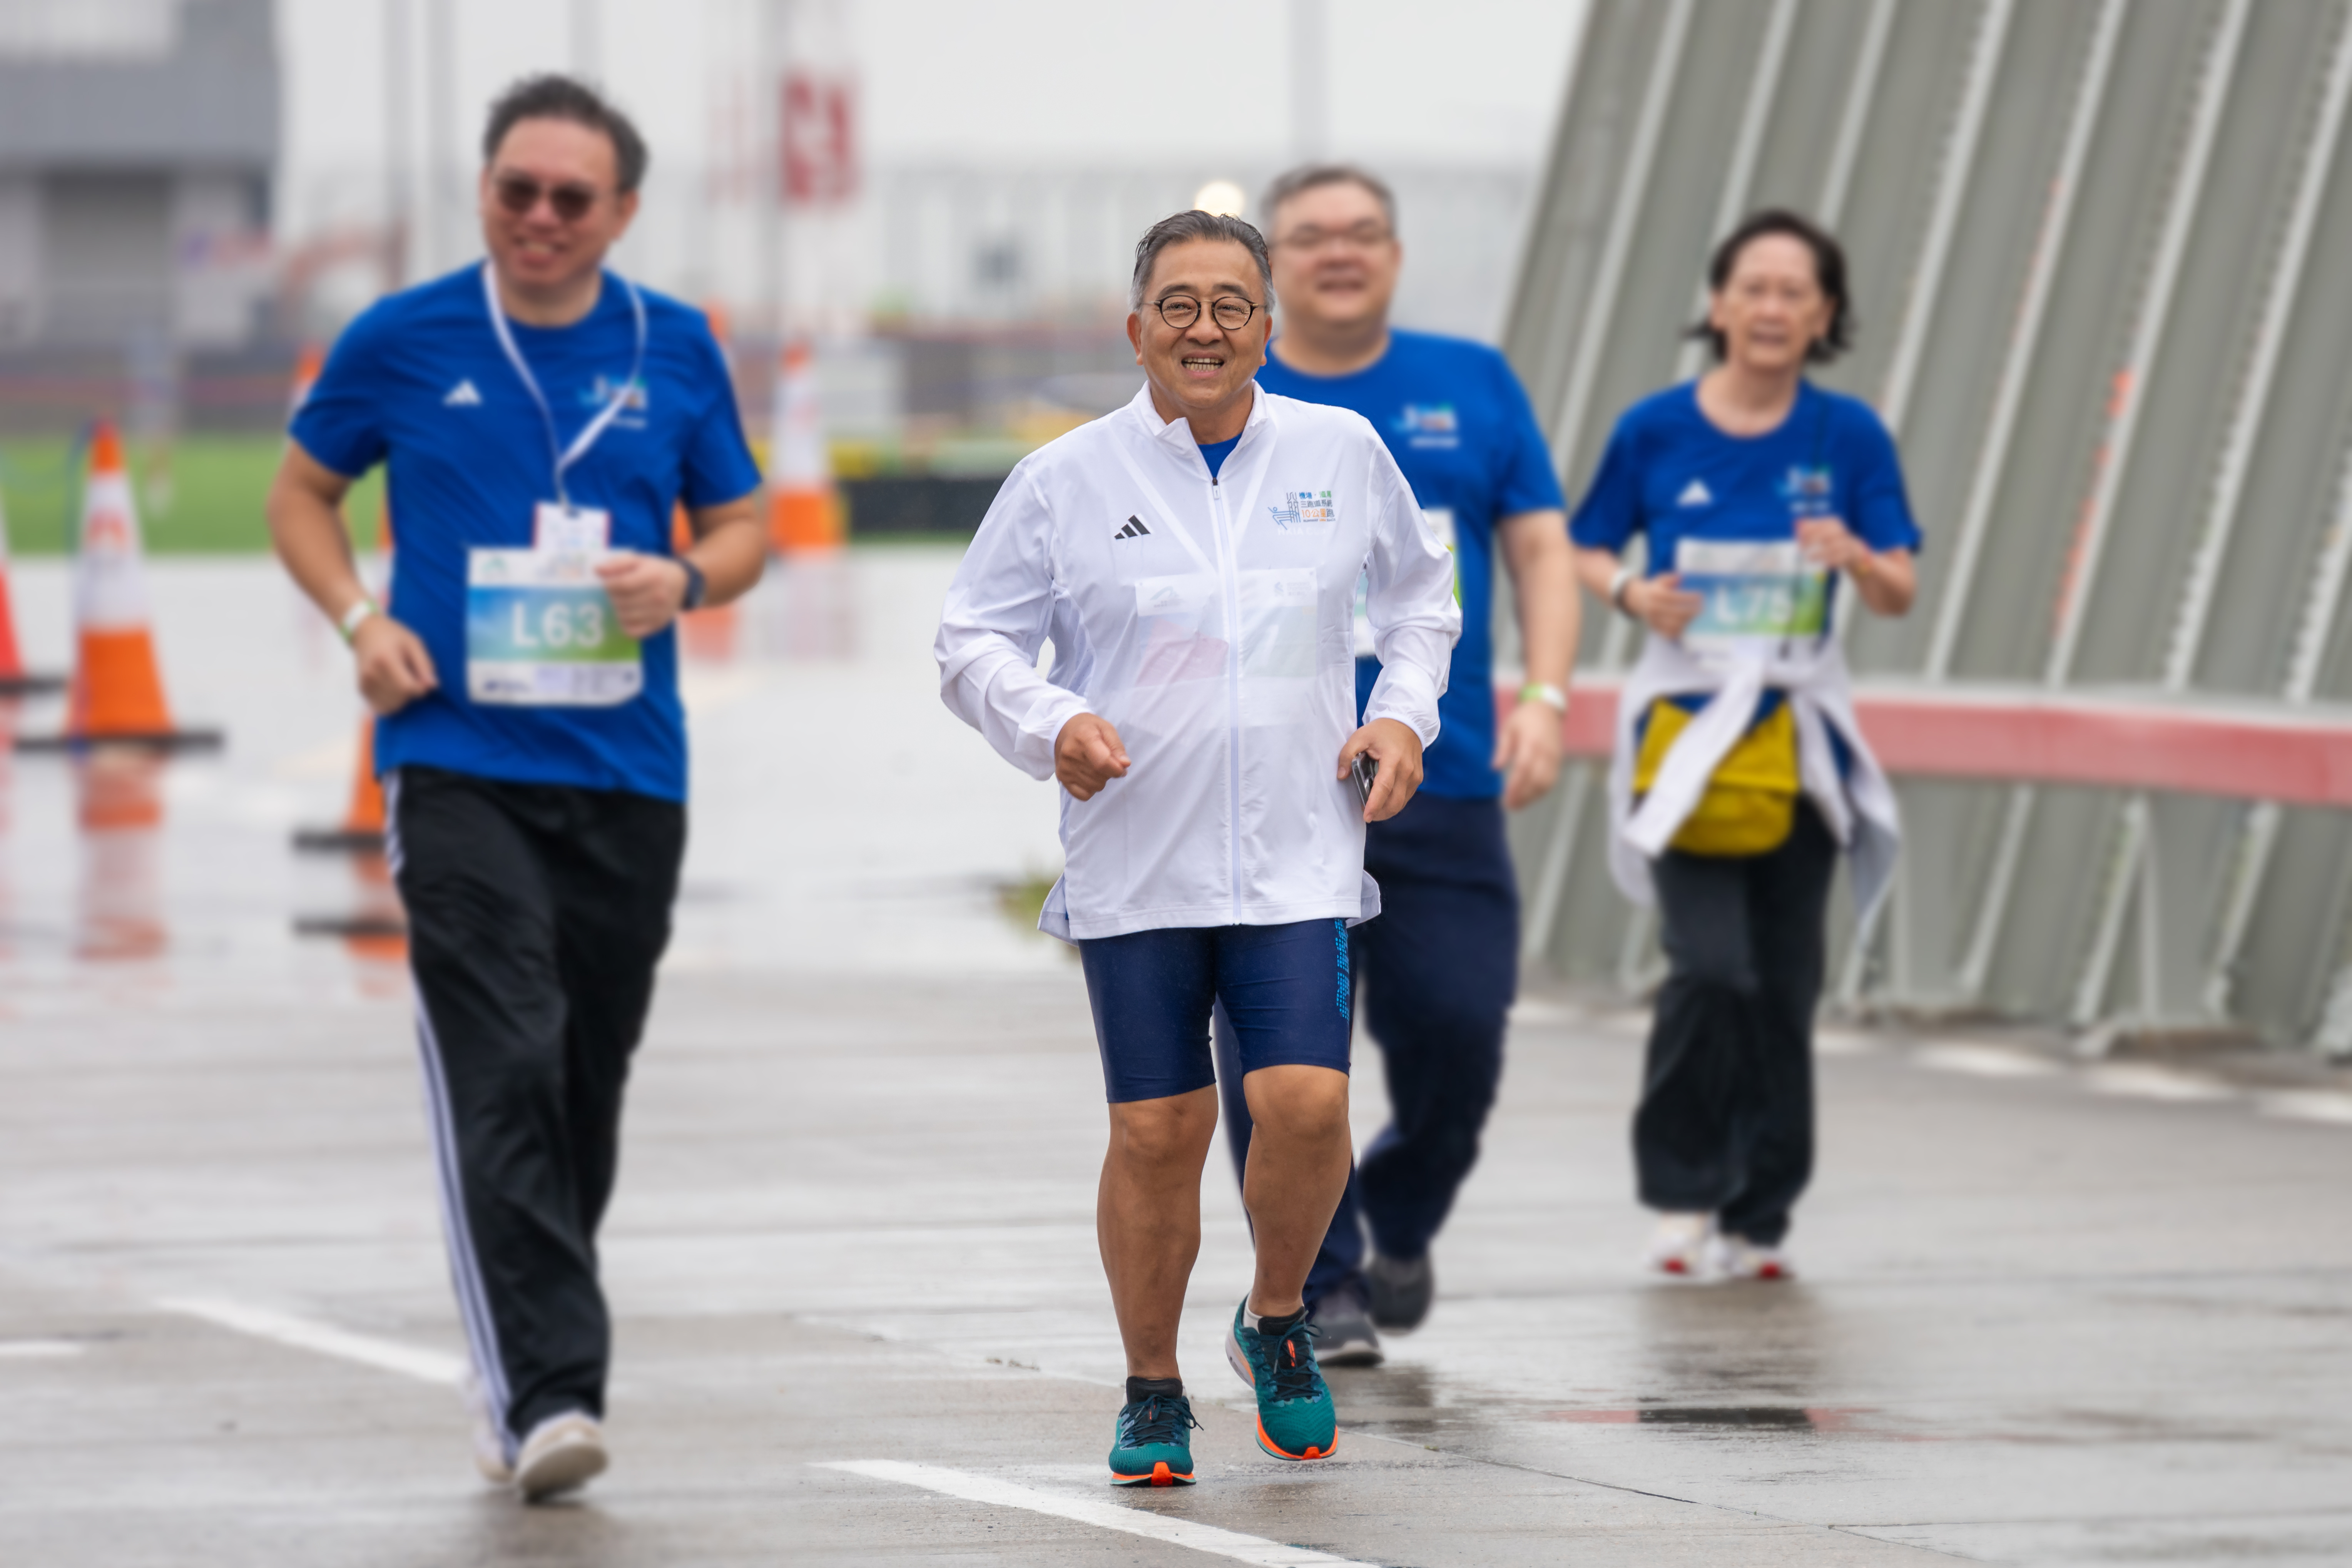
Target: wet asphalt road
(2048, 1313)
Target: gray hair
(1184, 227)
(1312, 176)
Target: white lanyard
(565, 457)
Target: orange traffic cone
(117, 692)
(802, 515)
(308, 363)
(13, 680)
(363, 829)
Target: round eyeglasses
(1230, 311)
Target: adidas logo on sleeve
(463, 395)
(1696, 493)
(1134, 529)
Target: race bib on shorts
(1753, 591)
(540, 632)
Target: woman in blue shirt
(1740, 772)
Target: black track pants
(536, 914)
(1725, 1123)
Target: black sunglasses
(520, 194)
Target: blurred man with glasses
(1438, 970)
(540, 418)
(1194, 559)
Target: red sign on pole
(820, 139)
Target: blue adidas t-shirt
(1670, 474)
(419, 382)
(1458, 423)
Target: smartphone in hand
(1364, 769)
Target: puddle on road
(1765, 1417)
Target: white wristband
(1617, 585)
(360, 611)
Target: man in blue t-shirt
(540, 419)
(1442, 957)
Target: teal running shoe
(1151, 1444)
(1294, 1418)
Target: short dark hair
(1310, 176)
(554, 97)
(1179, 228)
(1829, 272)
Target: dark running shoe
(1294, 1418)
(1344, 1335)
(1400, 1292)
(1151, 1444)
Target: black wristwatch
(697, 587)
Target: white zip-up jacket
(1209, 620)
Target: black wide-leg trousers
(1725, 1122)
(536, 915)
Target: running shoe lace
(1158, 1420)
(1295, 1372)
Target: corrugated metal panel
(2089, 239)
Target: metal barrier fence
(2098, 249)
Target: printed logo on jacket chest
(1304, 509)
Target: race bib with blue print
(540, 632)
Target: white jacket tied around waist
(1209, 620)
(1859, 806)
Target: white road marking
(36, 1350)
(1182, 1533)
(2309, 1105)
(1984, 1061)
(302, 1333)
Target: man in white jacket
(1192, 559)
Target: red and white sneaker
(1736, 1258)
(1679, 1246)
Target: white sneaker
(489, 1442)
(563, 1452)
(1679, 1246)
(1736, 1258)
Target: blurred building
(136, 140)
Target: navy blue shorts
(1284, 990)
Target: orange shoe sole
(1279, 1452)
(1162, 1476)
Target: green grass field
(200, 496)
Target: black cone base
(349, 925)
(337, 841)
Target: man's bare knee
(1171, 1131)
(1308, 1103)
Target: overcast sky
(1067, 82)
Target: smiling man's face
(542, 166)
(1202, 371)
